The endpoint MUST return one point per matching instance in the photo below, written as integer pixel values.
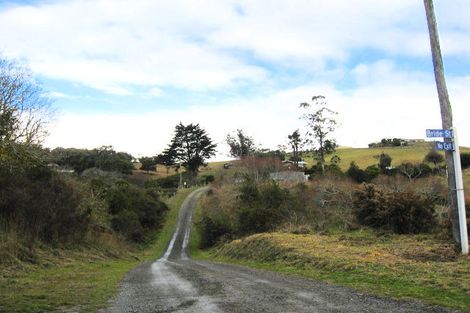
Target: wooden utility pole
(446, 113)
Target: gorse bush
(251, 207)
(217, 220)
(361, 176)
(465, 160)
(134, 211)
(47, 207)
(231, 211)
(402, 212)
(39, 204)
(261, 207)
(212, 229)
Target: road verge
(91, 272)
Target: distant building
(291, 164)
(289, 176)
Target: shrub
(209, 178)
(211, 230)
(465, 160)
(361, 176)
(217, 215)
(372, 172)
(385, 161)
(434, 157)
(167, 182)
(104, 158)
(410, 213)
(45, 207)
(369, 205)
(135, 212)
(333, 169)
(402, 212)
(415, 170)
(260, 208)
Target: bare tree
(320, 124)
(24, 107)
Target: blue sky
(124, 73)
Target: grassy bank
(399, 266)
(83, 278)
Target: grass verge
(81, 279)
(398, 266)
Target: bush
(368, 206)
(104, 158)
(361, 176)
(385, 161)
(207, 179)
(402, 212)
(333, 169)
(415, 170)
(230, 211)
(434, 157)
(169, 182)
(260, 208)
(45, 207)
(134, 212)
(465, 160)
(372, 172)
(211, 230)
(217, 215)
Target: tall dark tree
(166, 158)
(295, 141)
(241, 145)
(191, 146)
(320, 124)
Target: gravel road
(176, 283)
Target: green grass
(85, 286)
(77, 278)
(195, 237)
(366, 156)
(420, 266)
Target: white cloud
(58, 95)
(378, 109)
(110, 44)
(155, 92)
(200, 45)
(119, 48)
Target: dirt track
(176, 283)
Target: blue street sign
(444, 133)
(446, 146)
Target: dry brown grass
(419, 266)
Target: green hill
(366, 156)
